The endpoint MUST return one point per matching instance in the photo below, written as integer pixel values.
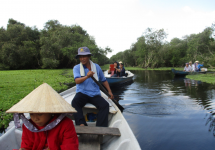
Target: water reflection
(204, 98)
(211, 122)
(189, 82)
(168, 109)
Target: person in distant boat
(192, 66)
(121, 63)
(187, 68)
(116, 72)
(87, 91)
(198, 66)
(122, 70)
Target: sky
(114, 23)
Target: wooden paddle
(104, 91)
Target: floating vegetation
(208, 78)
(106, 67)
(16, 84)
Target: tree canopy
(151, 49)
(55, 46)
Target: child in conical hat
(48, 128)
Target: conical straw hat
(44, 99)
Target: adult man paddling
(87, 91)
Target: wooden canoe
(113, 81)
(125, 141)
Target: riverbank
(106, 67)
(16, 84)
(208, 78)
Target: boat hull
(183, 73)
(115, 81)
(179, 73)
(12, 138)
(118, 81)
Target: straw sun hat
(44, 99)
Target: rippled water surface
(169, 113)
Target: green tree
(59, 45)
(154, 41)
(141, 51)
(16, 45)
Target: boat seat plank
(80, 130)
(88, 105)
(111, 108)
(90, 142)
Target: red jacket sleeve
(70, 138)
(26, 142)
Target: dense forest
(151, 50)
(55, 46)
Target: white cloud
(187, 9)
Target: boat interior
(117, 136)
(129, 74)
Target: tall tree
(19, 46)
(154, 41)
(59, 45)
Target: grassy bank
(105, 67)
(208, 78)
(16, 84)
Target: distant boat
(183, 73)
(113, 81)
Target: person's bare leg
(82, 125)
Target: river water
(169, 113)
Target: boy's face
(115, 65)
(40, 119)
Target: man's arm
(201, 65)
(118, 70)
(82, 79)
(108, 88)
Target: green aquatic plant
(209, 78)
(16, 84)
